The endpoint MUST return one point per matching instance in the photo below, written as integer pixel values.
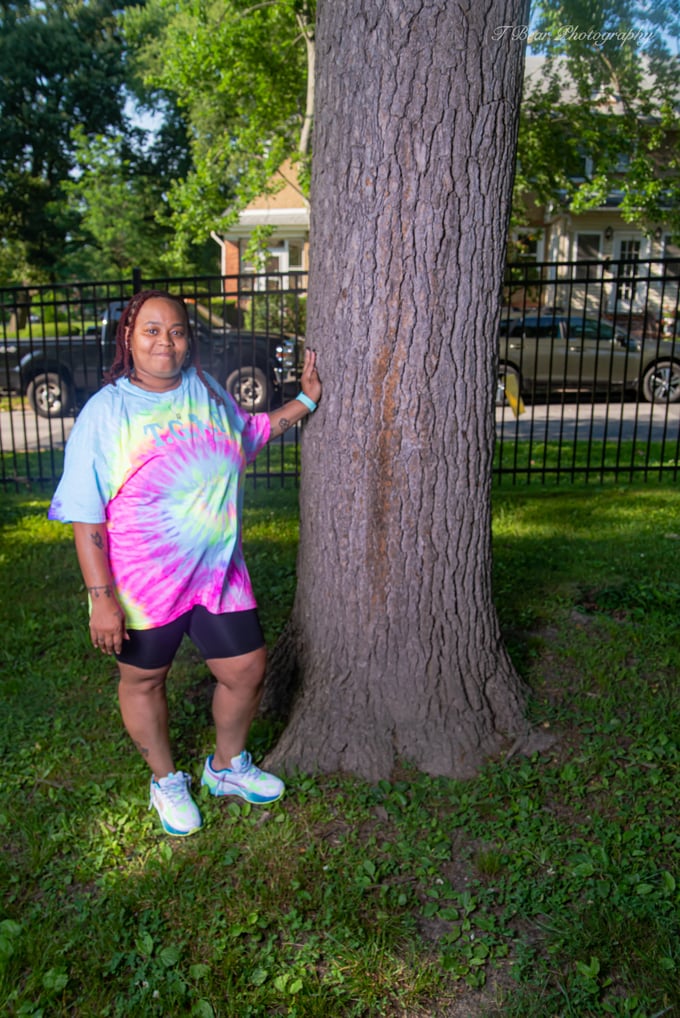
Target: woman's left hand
(293, 412)
(310, 383)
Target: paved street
(542, 422)
(545, 422)
(25, 431)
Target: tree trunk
(394, 637)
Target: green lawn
(547, 464)
(547, 886)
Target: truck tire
(250, 388)
(49, 395)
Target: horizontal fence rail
(588, 381)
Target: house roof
(282, 205)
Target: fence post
(136, 280)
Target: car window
(590, 328)
(542, 330)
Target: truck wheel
(249, 387)
(49, 395)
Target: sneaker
(178, 812)
(243, 778)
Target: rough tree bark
(394, 649)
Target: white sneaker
(178, 812)
(243, 778)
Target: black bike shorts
(216, 636)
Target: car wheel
(505, 372)
(249, 387)
(661, 383)
(49, 395)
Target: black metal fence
(57, 342)
(588, 379)
(589, 371)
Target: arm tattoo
(97, 539)
(105, 591)
(284, 424)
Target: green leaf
(590, 971)
(199, 971)
(668, 881)
(170, 956)
(144, 945)
(55, 979)
(202, 1009)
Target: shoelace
(246, 765)
(246, 768)
(176, 789)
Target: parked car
(550, 353)
(58, 374)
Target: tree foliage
(603, 118)
(114, 197)
(61, 64)
(230, 85)
(238, 72)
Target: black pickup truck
(57, 375)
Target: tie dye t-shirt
(164, 472)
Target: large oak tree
(394, 649)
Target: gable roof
(282, 205)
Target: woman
(153, 485)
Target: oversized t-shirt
(164, 471)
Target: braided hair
(122, 365)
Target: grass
(549, 464)
(547, 887)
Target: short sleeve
(79, 497)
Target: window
(671, 251)
(541, 330)
(588, 249)
(294, 255)
(526, 246)
(579, 166)
(627, 269)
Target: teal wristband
(306, 401)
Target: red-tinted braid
(122, 365)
